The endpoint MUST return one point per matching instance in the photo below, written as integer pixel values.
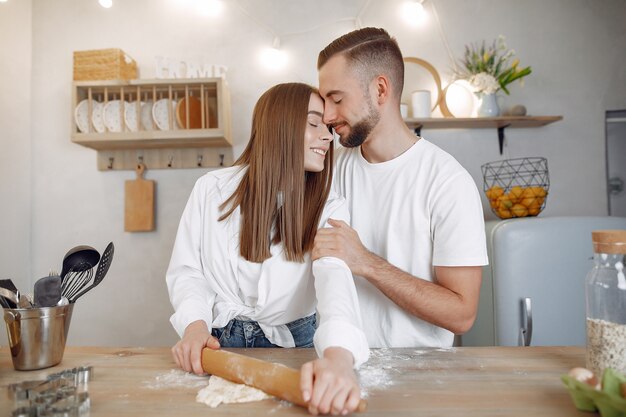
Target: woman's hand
(188, 351)
(330, 384)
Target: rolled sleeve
(338, 307)
(188, 288)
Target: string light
(413, 12)
(211, 8)
(274, 58)
(106, 3)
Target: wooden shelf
(206, 143)
(482, 122)
(499, 123)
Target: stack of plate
(152, 115)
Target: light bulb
(106, 3)
(413, 12)
(273, 58)
(210, 8)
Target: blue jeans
(248, 334)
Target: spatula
(47, 291)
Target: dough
(220, 391)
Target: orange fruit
(494, 192)
(504, 201)
(516, 193)
(504, 213)
(519, 210)
(539, 191)
(533, 211)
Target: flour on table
(221, 391)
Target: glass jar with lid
(606, 303)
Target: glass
(606, 303)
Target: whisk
(76, 279)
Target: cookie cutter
(63, 394)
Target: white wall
(574, 46)
(15, 141)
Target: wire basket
(516, 187)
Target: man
(417, 242)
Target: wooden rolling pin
(272, 378)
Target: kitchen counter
(483, 381)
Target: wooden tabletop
(485, 381)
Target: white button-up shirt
(208, 280)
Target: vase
(488, 105)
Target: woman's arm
(330, 383)
(189, 290)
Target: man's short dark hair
(372, 52)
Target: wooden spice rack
(195, 139)
(499, 123)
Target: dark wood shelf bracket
(501, 136)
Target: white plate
(96, 116)
(146, 115)
(130, 116)
(81, 116)
(161, 116)
(111, 115)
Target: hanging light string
(443, 37)
(356, 20)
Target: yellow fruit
(533, 211)
(504, 202)
(539, 191)
(516, 193)
(494, 192)
(504, 213)
(519, 211)
(528, 192)
(529, 202)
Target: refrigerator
(533, 290)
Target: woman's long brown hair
(275, 191)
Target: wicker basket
(104, 64)
(516, 187)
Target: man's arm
(450, 303)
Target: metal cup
(37, 336)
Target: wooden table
(486, 381)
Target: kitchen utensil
(273, 378)
(47, 291)
(8, 285)
(75, 281)
(37, 336)
(103, 268)
(79, 258)
(10, 296)
(139, 207)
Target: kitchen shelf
(200, 138)
(499, 123)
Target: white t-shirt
(417, 210)
(208, 280)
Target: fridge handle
(526, 330)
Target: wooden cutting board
(139, 206)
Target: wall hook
(199, 160)
(140, 159)
(221, 159)
(169, 164)
(111, 159)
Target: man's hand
(188, 351)
(330, 384)
(343, 242)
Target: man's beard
(361, 130)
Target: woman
(241, 274)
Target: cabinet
(499, 123)
(174, 123)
